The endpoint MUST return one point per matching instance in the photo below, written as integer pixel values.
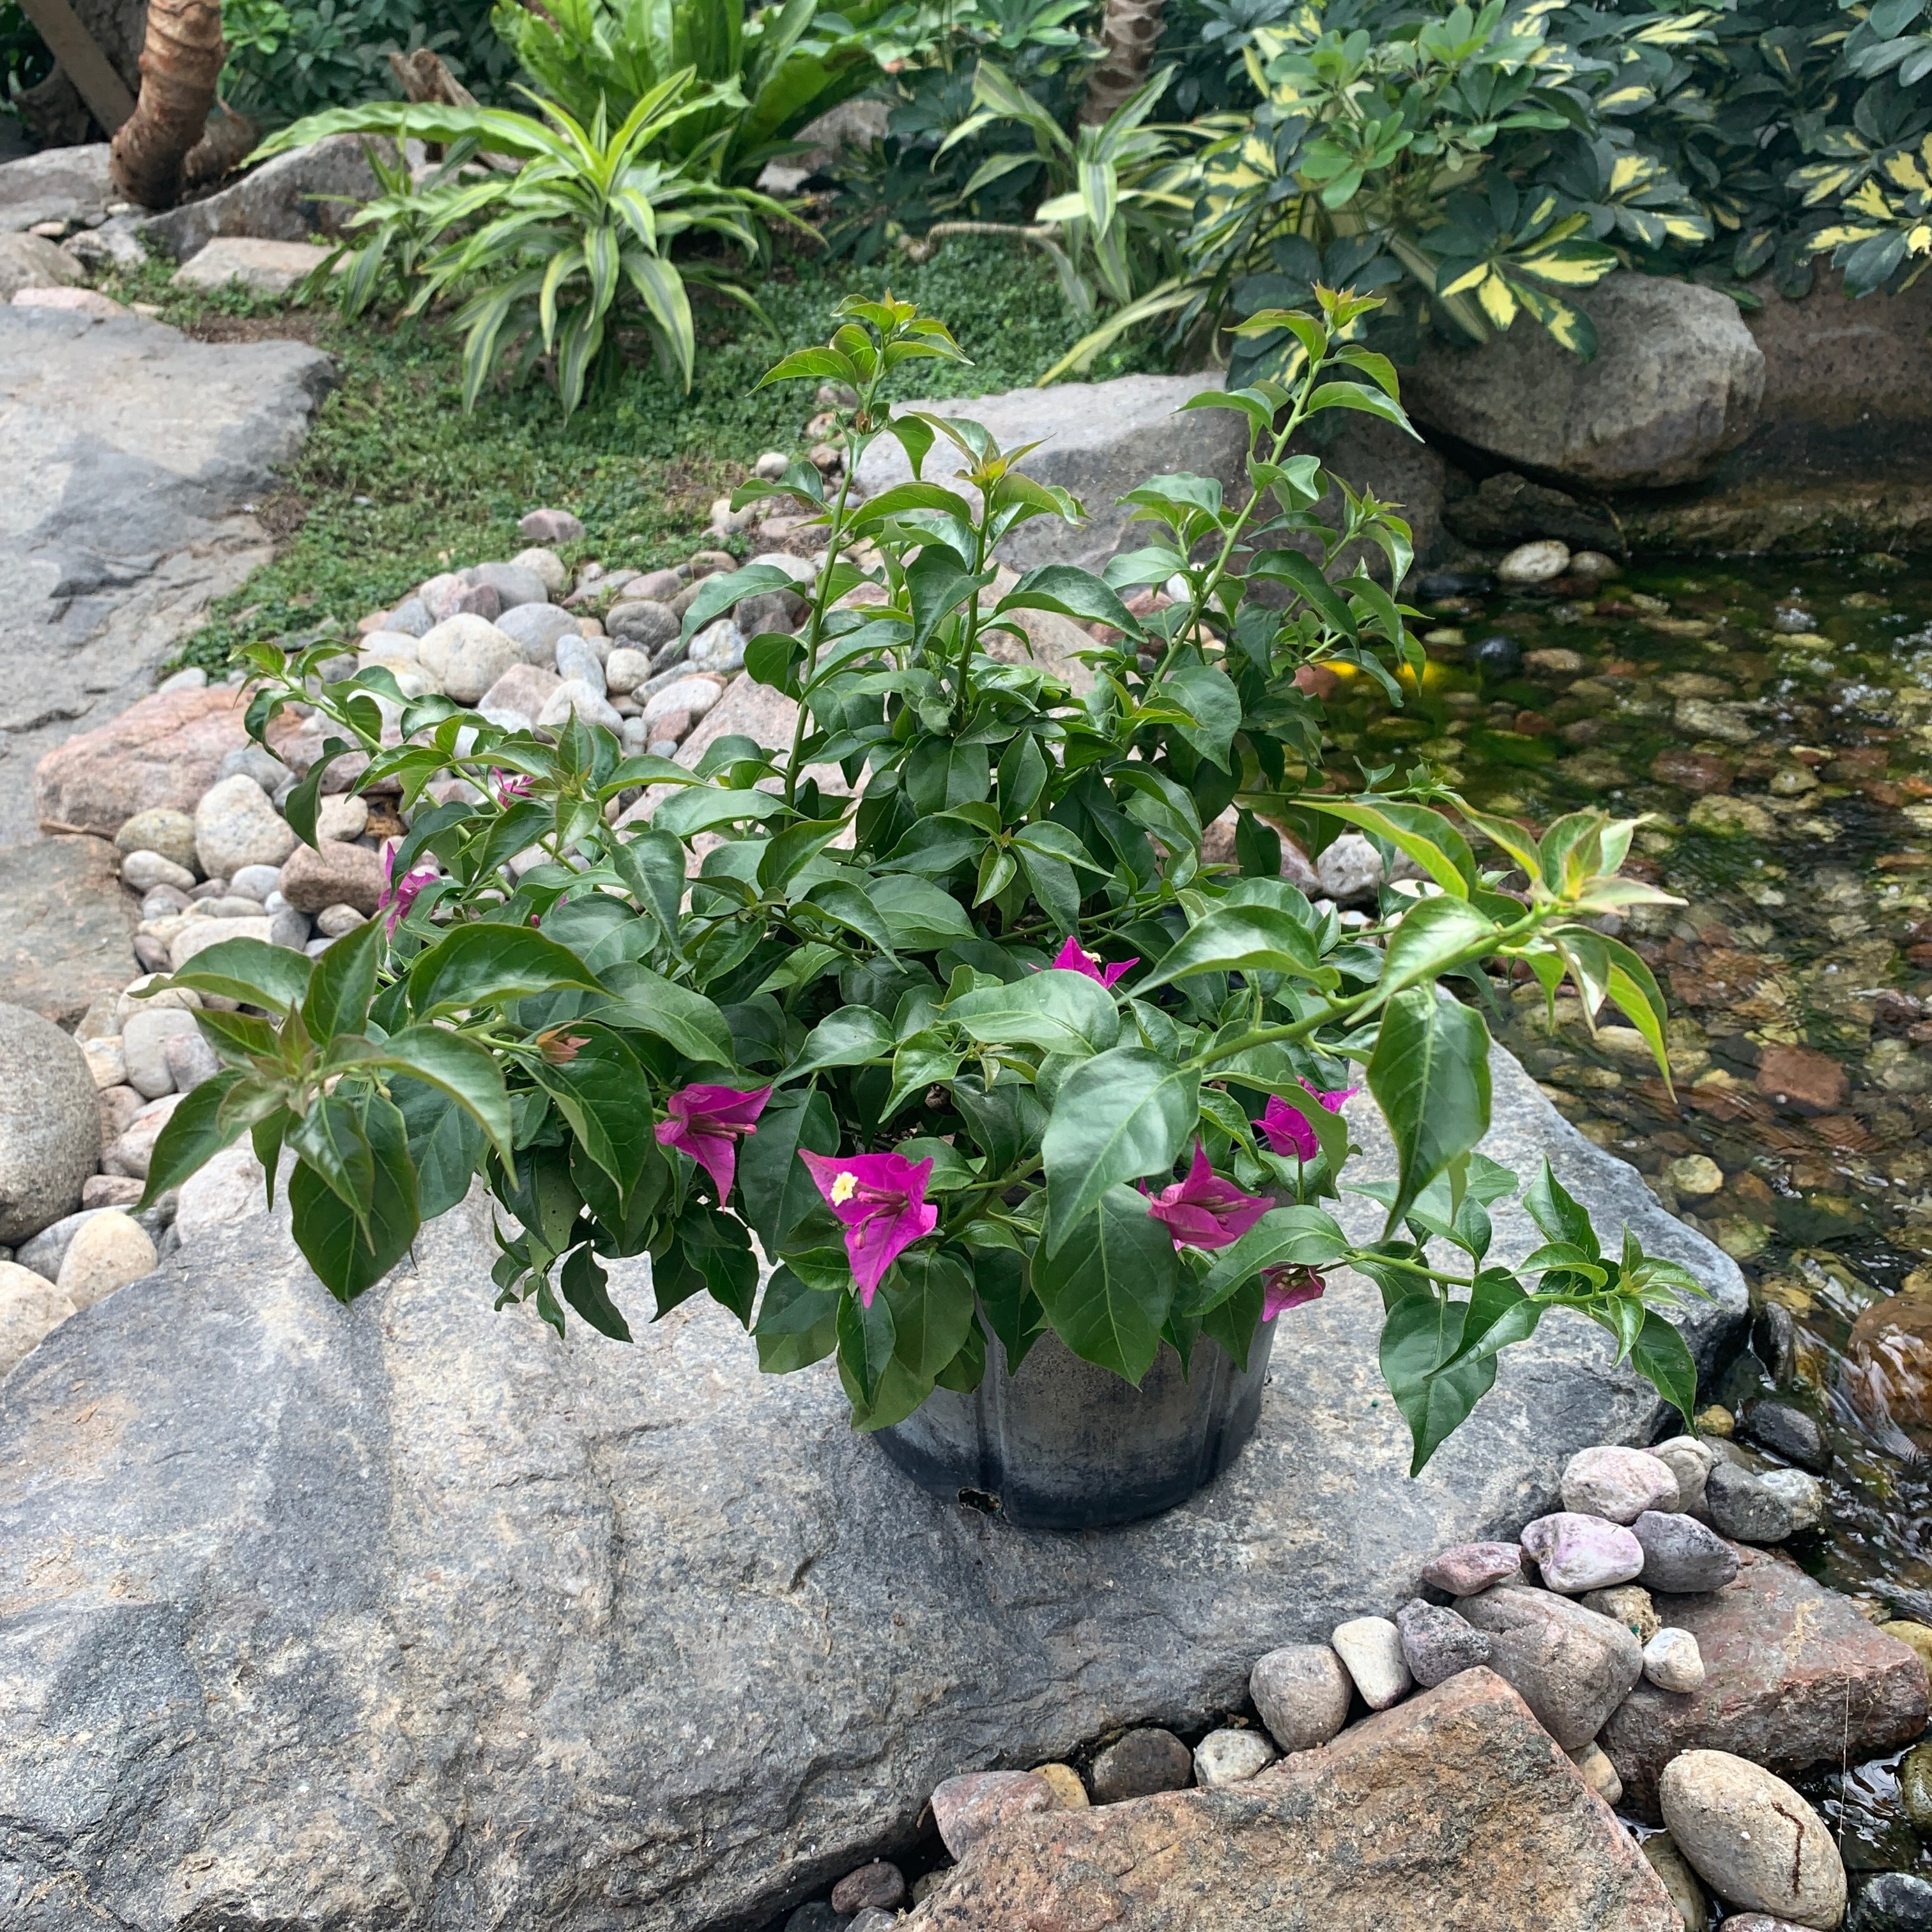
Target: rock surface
(1793, 1677)
(1452, 1813)
(1752, 1839)
(1572, 1667)
(132, 454)
(312, 190)
(69, 930)
(49, 1124)
(633, 1573)
(31, 1308)
(1676, 381)
(1099, 440)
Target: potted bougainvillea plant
(937, 1004)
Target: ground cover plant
(973, 1045)
(395, 479)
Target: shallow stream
(1775, 719)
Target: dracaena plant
(950, 1017)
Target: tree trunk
(1129, 31)
(180, 65)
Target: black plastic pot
(1065, 1445)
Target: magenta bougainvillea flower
(1289, 1131)
(1289, 1286)
(1204, 1210)
(881, 1200)
(508, 787)
(1074, 957)
(707, 1123)
(399, 895)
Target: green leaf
(704, 807)
(328, 1140)
(351, 1253)
(1433, 934)
(445, 1144)
(687, 1020)
(931, 1298)
(461, 1069)
(919, 916)
(1117, 1116)
(1244, 939)
(796, 1325)
(865, 1338)
(1434, 1392)
(1057, 1012)
(249, 971)
(849, 1037)
(601, 1093)
(584, 1287)
(1304, 577)
(1561, 1217)
(1370, 402)
(774, 1186)
(1109, 1288)
(1660, 1356)
(1073, 592)
(1283, 1237)
(718, 593)
(342, 983)
(489, 963)
(1426, 836)
(194, 1133)
(1209, 697)
(1430, 1076)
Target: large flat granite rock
(132, 453)
(412, 1616)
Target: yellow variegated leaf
(1630, 171)
(1904, 170)
(1841, 237)
(1687, 227)
(1624, 99)
(1919, 239)
(1465, 282)
(1497, 300)
(1568, 267)
(1570, 328)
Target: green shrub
(922, 1038)
(289, 58)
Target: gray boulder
(56, 185)
(49, 1124)
(1098, 439)
(33, 262)
(133, 457)
(313, 191)
(1677, 381)
(1571, 1666)
(414, 1566)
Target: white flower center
(844, 1186)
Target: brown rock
(1452, 1813)
(162, 751)
(880, 1887)
(118, 1106)
(1888, 1362)
(965, 1809)
(1793, 1677)
(333, 873)
(1699, 771)
(69, 931)
(1802, 1079)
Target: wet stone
(1894, 1902)
(1789, 1432)
(1770, 1507)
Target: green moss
(396, 482)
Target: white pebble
(1230, 1757)
(1371, 1648)
(1672, 1661)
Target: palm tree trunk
(180, 65)
(1129, 31)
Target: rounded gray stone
(644, 624)
(1754, 1507)
(1302, 1692)
(1438, 1643)
(1681, 1554)
(536, 628)
(49, 1123)
(1144, 1762)
(1230, 1757)
(1571, 1666)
